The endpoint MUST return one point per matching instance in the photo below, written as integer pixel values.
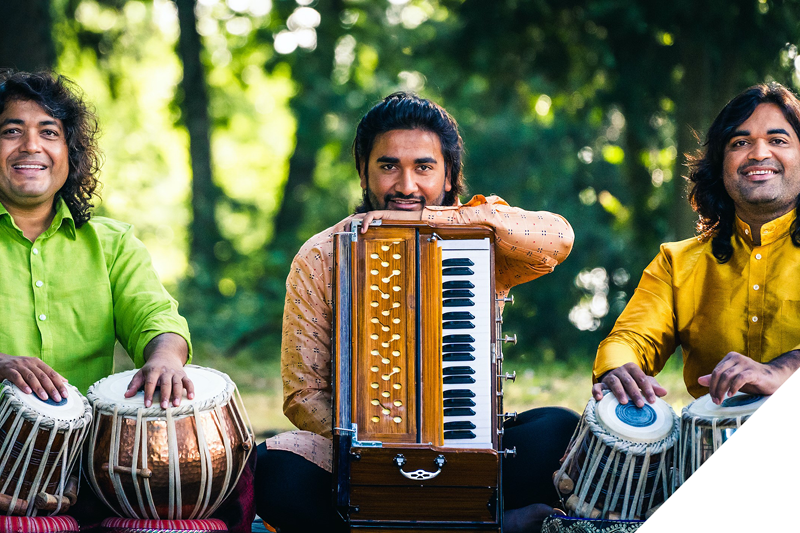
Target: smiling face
(34, 161)
(761, 168)
(405, 171)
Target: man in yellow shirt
(729, 297)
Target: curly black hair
(708, 196)
(407, 111)
(61, 98)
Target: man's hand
(33, 375)
(165, 356)
(367, 218)
(738, 372)
(629, 381)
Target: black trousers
(294, 494)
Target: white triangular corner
(752, 483)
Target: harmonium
(417, 379)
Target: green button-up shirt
(67, 297)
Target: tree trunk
(26, 42)
(203, 230)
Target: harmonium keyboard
(417, 379)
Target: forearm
(784, 365)
(168, 345)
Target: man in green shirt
(72, 284)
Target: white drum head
(651, 423)
(207, 384)
(68, 409)
(740, 404)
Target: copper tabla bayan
(705, 426)
(39, 444)
(175, 463)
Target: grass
(563, 384)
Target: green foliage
(580, 108)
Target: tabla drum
(618, 463)
(176, 463)
(40, 443)
(705, 426)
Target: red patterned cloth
(210, 524)
(38, 524)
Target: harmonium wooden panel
(417, 379)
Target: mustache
(771, 164)
(400, 196)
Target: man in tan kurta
(410, 169)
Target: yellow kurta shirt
(750, 305)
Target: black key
(457, 380)
(459, 411)
(461, 424)
(458, 357)
(458, 370)
(458, 293)
(458, 324)
(459, 402)
(457, 262)
(458, 348)
(459, 393)
(458, 338)
(458, 315)
(457, 271)
(457, 302)
(458, 284)
(459, 435)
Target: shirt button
(756, 287)
(747, 232)
(39, 283)
(42, 317)
(35, 251)
(758, 256)
(755, 319)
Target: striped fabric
(133, 524)
(38, 524)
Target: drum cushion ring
(132, 525)
(38, 524)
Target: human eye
(738, 143)
(13, 130)
(779, 141)
(388, 166)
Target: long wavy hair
(407, 111)
(708, 196)
(61, 98)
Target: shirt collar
(770, 232)
(63, 218)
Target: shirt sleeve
(646, 331)
(529, 244)
(143, 309)
(305, 345)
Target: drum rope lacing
(216, 404)
(695, 453)
(601, 439)
(65, 457)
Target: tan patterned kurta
(528, 245)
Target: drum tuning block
(510, 338)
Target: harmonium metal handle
(507, 299)
(512, 452)
(419, 475)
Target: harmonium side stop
(417, 379)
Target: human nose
(31, 143)
(407, 184)
(759, 151)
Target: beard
(371, 202)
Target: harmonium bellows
(417, 379)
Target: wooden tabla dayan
(618, 463)
(705, 426)
(175, 463)
(41, 441)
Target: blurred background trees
(228, 124)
